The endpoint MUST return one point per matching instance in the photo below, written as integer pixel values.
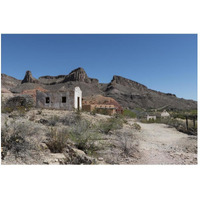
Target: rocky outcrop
(29, 78)
(80, 75)
(75, 156)
(77, 75)
(127, 83)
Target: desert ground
(66, 137)
(160, 144)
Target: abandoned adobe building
(100, 108)
(165, 114)
(66, 99)
(101, 104)
(62, 99)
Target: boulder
(76, 156)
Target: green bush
(6, 110)
(129, 113)
(18, 103)
(113, 123)
(85, 136)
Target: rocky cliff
(128, 93)
(80, 75)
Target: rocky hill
(128, 93)
(9, 82)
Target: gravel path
(160, 144)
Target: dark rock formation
(127, 83)
(29, 78)
(80, 75)
(131, 94)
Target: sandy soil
(159, 144)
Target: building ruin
(61, 99)
(100, 108)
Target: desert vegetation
(129, 113)
(74, 137)
(40, 136)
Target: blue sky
(166, 63)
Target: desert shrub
(43, 121)
(110, 124)
(57, 140)
(68, 120)
(53, 120)
(126, 143)
(71, 119)
(17, 143)
(14, 140)
(85, 136)
(21, 110)
(4, 139)
(136, 126)
(19, 103)
(129, 113)
(39, 112)
(21, 139)
(5, 109)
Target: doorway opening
(78, 102)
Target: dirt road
(160, 144)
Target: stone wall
(55, 100)
(106, 109)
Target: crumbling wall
(55, 100)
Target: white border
(99, 182)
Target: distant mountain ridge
(128, 93)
